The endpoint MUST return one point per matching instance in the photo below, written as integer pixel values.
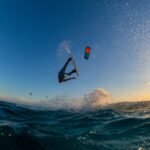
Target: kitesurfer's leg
(69, 79)
(71, 72)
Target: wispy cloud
(148, 83)
(63, 46)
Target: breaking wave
(118, 126)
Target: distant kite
(87, 53)
(30, 93)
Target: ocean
(120, 126)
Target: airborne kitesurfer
(62, 75)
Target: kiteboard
(73, 62)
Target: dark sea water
(124, 126)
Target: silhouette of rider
(62, 75)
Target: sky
(33, 36)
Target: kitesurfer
(62, 75)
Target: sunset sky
(33, 36)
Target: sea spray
(95, 99)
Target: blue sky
(117, 31)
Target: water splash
(65, 45)
(97, 98)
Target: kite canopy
(87, 53)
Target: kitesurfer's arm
(69, 79)
(71, 72)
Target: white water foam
(97, 98)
